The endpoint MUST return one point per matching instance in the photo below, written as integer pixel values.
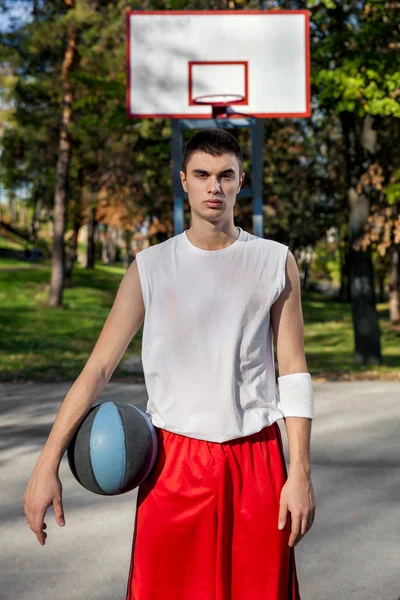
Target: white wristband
(296, 395)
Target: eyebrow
(204, 172)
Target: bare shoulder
(292, 275)
(131, 284)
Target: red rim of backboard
(306, 13)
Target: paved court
(352, 552)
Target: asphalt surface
(352, 551)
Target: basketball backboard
(175, 57)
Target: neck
(210, 236)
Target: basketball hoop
(220, 103)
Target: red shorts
(206, 524)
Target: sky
(14, 10)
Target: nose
(214, 186)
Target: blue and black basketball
(114, 448)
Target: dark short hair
(212, 141)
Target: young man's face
(212, 183)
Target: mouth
(213, 203)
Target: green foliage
(354, 88)
(326, 262)
(355, 48)
(392, 190)
(330, 4)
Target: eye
(227, 176)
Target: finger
(305, 525)
(299, 538)
(37, 525)
(283, 510)
(59, 511)
(311, 518)
(41, 538)
(295, 530)
(40, 534)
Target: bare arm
(123, 322)
(125, 319)
(288, 329)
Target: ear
(183, 180)
(241, 179)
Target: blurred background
(83, 188)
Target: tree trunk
(394, 289)
(344, 293)
(112, 234)
(12, 209)
(104, 245)
(127, 250)
(381, 286)
(76, 216)
(23, 215)
(72, 253)
(359, 148)
(64, 156)
(90, 258)
(75, 236)
(34, 227)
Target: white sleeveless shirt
(207, 349)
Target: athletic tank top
(207, 350)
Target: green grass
(14, 263)
(43, 344)
(329, 341)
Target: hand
(43, 490)
(297, 496)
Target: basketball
(114, 448)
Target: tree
(62, 168)
(357, 79)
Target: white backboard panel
(218, 78)
(175, 56)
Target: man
(218, 517)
